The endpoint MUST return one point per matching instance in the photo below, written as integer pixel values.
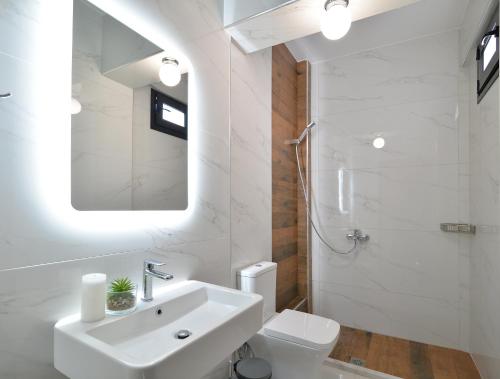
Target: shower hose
(308, 211)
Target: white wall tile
(411, 197)
(404, 262)
(418, 70)
(159, 161)
(101, 134)
(485, 211)
(31, 222)
(418, 133)
(251, 226)
(42, 260)
(19, 22)
(410, 279)
(411, 317)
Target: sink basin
(146, 344)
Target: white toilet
(294, 343)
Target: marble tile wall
(101, 134)
(251, 227)
(406, 281)
(485, 213)
(159, 161)
(41, 259)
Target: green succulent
(121, 285)
(121, 295)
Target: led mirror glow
(336, 20)
(378, 143)
(170, 73)
(52, 156)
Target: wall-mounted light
(336, 20)
(76, 106)
(170, 72)
(378, 143)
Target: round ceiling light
(336, 20)
(76, 106)
(170, 72)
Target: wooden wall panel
(284, 175)
(290, 104)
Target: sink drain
(182, 334)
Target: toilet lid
(304, 329)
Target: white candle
(93, 297)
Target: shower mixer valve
(357, 235)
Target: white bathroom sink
(144, 344)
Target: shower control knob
(357, 235)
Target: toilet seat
(304, 329)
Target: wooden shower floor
(399, 357)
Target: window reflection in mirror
(123, 157)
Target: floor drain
(358, 362)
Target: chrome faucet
(357, 235)
(149, 273)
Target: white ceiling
(239, 10)
(140, 73)
(424, 17)
(297, 19)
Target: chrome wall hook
(5, 95)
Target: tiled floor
(406, 359)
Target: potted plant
(121, 296)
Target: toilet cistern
(150, 272)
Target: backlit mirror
(129, 131)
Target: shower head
(306, 130)
(302, 135)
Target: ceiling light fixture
(170, 72)
(76, 106)
(336, 20)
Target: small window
(168, 115)
(487, 58)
